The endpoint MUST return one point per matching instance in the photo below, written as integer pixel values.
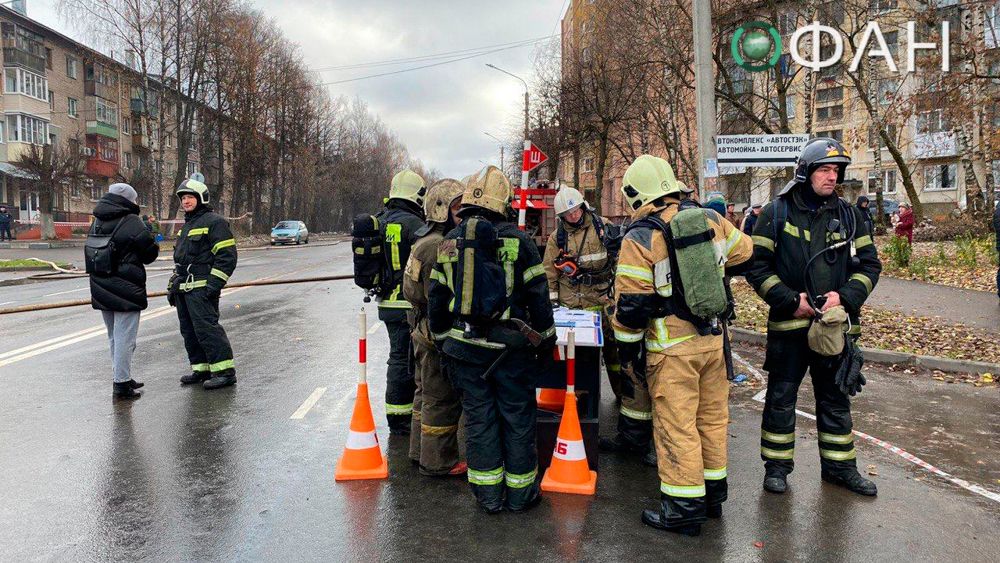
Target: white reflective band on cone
(574, 450)
(361, 440)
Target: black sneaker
(124, 390)
(196, 377)
(654, 518)
(775, 484)
(221, 380)
(135, 384)
(852, 481)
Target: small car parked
(287, 232)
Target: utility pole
(704, 87)
(527, 147)
(499, 142)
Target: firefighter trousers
(635, 415)
(690, 396)
(500, 428)
(399, 385)
(436, 411)
(788, 358)
(205, 340)
(610, 353)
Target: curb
(37, 245)
(27, 269)
(890, 356)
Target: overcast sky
(440, 113)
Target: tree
(53, 170)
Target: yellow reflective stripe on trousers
(634, 414)
(198, 231)
(491, 477)
(837, 455)
(663, 340)
(862, 242)
(221, 366)
(683, 491)
(635, 272)
(199, 367)
(767, 285)
(715, 474)
(836, 438)
(763, 242)
(778, 438)
(794, 324)
(864, 281)
(777, 454)
(437, 430)
(223, 244)
(219, 274)
(398, 409)
(623, 335)
(520, 481)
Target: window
(887, 91)
(888, 181)
(892, 42)
(95, 191)
(107, 113)
(192, 167)
(588, 164)
(828, 113)
(27, 129)
(940, 177)
(2, 138)
(831, 72)
(52, 101)
(71, 107)
(71, 63)
(882, 6)
(20, 81)
(991, 27)
(126, 122)
(834, 94)
(787, 22)
(789, 107)
(874, 136)
(933, 121)
(48, 58)
(831, 12)
(996, 173)
(128, 159)
(837, 134)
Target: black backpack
(99, 251)
(370, 268)
(480, 280)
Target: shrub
(941, 258)
(898, 252)
(920, 268)
(966, 252)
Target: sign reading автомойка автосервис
(760, 151)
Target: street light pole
(521, 213)
(494, 67)
(704, 87)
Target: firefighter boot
(196, 377)
(221, 379)
(775, 483)
(851, 480)
(670, 517)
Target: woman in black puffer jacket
(122, 295)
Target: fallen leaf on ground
(872, 470)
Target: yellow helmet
(408, 185)
(646, 179)
(439, 198)
(489, 188)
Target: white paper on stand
(586, 326)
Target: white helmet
(568, 199)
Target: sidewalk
(977, 309)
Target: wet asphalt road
(185, 474)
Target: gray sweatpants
(123, 327)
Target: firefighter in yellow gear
(684, 366)
(436, 405)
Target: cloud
(440, 113)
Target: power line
(445, 54)
(454, 60)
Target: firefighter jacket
(589, 288)
(417, 279)
(205, 252)
(643, 283)
(788, 233)
(401, 219)
(526, 289)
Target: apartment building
(58, 91)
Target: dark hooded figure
(863, 206)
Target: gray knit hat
(124, 190)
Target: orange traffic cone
(362, 458)
(569, 471)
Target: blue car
(287, 232)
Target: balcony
(99, 167)
(13, 56)
(101, 128)
(143, 142)
(940, 144)
(101, 90)
(138, 108)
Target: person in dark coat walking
(866, 213)
(120, 296)
(5, 222)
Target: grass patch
(26, 263)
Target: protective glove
(172, 298)
(544, 352)
(849, 378)
(212, 291)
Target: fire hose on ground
(255, 283)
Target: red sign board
(533, 158)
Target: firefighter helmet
(408, 185)
(490, 189)
(195, 185)
(567, 199)
(646, 179)
(439, 198)
(816, 153)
